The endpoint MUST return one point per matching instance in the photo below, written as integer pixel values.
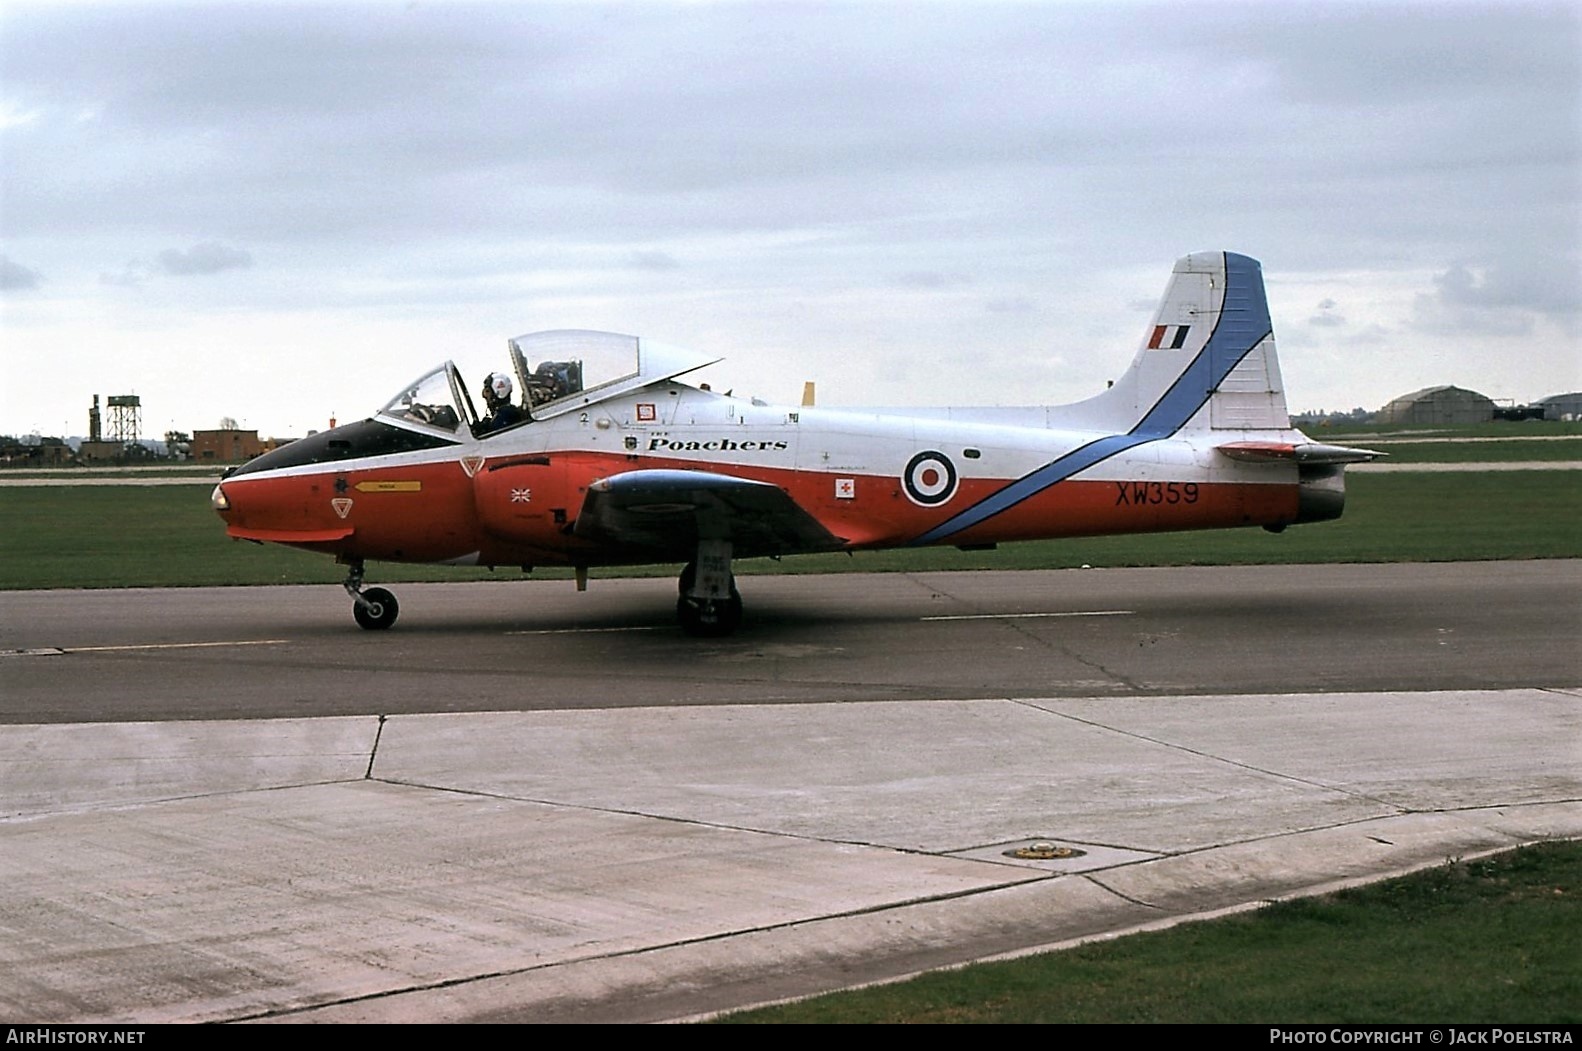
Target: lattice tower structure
(126, 417)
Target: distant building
(1437, 406)
(225, 446)
(39, 452)
(1561, 406)
(1325, 418)
(1518, 413)
(93, 451)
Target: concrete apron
(645, 864)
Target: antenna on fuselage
(807, 394)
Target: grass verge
(1511, 450)
(158, 536)
(1491, 941)
(1354, 432)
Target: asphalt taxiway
(525, 804)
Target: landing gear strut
(375, 609)
(709, 606)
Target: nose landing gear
(375, 609)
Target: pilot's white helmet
(500, 384)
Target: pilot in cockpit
(497, 398)
(546, 384)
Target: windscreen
(428, 401)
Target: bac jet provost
(605, 458)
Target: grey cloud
(201, 259)
(130, 276)
(1375, 334)
(461, 132)
(1384, 54)
(1465, 302)
(1433, 314)
(1327, 317)
(654, 261)
(1503, 298)
(932, 279)
(207, 258)
(1544, 286)
(499, 118)
(347, 128)
(16, 277)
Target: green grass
(1517, 449)
(162, 469)
(1493, 429)
(1492, 941)
(148, 536)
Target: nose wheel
(375, 609)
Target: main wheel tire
(378, 610)
(689, 573)
(709, 618)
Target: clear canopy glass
(554, 366)
(430, 401)
(555, 373)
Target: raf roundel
(929, 478)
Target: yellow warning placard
(389, 487)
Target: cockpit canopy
(555, 372)
(431, 400)
(552, 366)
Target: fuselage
(389, 489)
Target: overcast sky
(282, 212)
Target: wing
(663, 513)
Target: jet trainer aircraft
(606, 458)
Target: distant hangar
(1438, 406)
(1445, 404)
(1562, 406)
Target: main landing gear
(709, 606)
(375, 609)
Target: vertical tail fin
(1207, 359)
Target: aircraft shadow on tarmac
(771, 618)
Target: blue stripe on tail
(1243, 323)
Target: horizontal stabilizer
(1306, 452)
